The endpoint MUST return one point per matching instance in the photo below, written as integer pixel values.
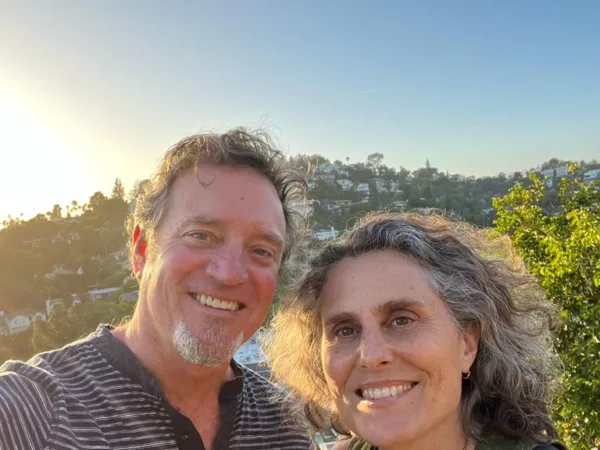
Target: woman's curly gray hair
(482, 282)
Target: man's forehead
(227, 196)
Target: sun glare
(35, 166)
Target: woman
(414, 332)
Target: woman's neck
(445, 436)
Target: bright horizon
(90, 92)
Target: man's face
(209, 275)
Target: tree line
(555, 229)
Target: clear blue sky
(478, 87)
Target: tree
(97, 200)
(374, 160)
(562, 250)
(56, 214)
(118, 190)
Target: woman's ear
(470, 346)
(140, 248)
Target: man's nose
(227, 266)
(375, 351)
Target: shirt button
(184, 437)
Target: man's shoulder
(29, 398)
(44, 371)
(267, 417)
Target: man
(209, 236)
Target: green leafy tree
(562, 249)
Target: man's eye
(263, 253)
(200, 235)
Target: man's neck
(186, 386)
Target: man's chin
(215, 350)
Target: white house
(250, 351)
(99, 294)
(345, 184)
(52, 303)
(363, 188)
(323, 235)
(548, 173)
(562, 171)
(21, 320)
(591, 175)
(328, 168)
(57, 271)
(402, 204)
(379, 184)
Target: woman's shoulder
(508, 444)
(353, 444)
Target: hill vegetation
(74, 256)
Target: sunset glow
(34, 159)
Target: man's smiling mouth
(216, 303)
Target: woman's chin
(382, 435)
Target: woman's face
(392, 356)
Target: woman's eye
(345, 332)
(201, 236)
(401, 321)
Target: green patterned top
(488, 444)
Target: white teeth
(373, 394)
(216, 303)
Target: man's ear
(140, 248)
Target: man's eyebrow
(338, 318)
(273, 238)
(197, 220)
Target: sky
(93, 91)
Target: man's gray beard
(213, 352)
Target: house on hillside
(591, 175)
(53, 303)
(342, 203)
(328, 168)
(400, 204)
(325, 234)
(129, 296)
(101, 294)
(20, 320)
(548, 173)
(345, 184)
(36, 243)
(562, 171)
(363, 188)
(56, 271)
